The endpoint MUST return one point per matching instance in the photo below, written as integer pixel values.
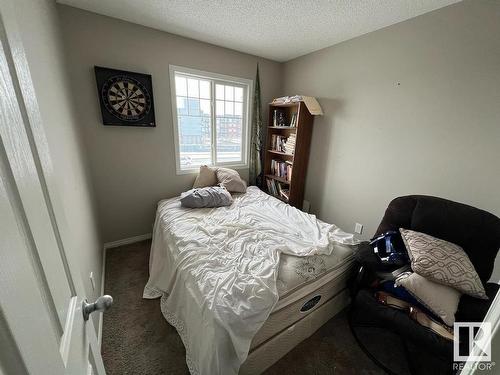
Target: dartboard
(126, 98)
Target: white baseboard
(110, 245)
(126, 241)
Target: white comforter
(216, 270)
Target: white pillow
(206, 177)
(442, 262)
(441, 299)
(231, 180)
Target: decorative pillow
(231, 180)
(442, 300)
(206, 177)
(211, 196)
(443, 262)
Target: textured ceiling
(277, 29)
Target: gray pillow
(442, 262)
(212, 196)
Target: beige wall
(410, 109)
(39, 27)
(133, 168)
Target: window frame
(214, 78)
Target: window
(211, 117)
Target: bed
(244, 284)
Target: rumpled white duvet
(215, 270)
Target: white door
(42, 329)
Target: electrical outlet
(92, 282)
(358, 228)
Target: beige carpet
(138, 340)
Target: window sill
(195, 170)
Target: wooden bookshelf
(297, 161)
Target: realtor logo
(476, 342)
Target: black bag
(390, 249)
(379, 258)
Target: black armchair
(381, 330)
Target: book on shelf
(282, 169)
(277, 189)
(278, 142)
(271, 186)
(289, 170)
(279, 118)
(289, 145)
(284, 144)
(285, 193)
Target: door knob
(103, 303)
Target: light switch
(358, 228)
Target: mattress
(300, 272)
(304, 285)
(269, 352)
